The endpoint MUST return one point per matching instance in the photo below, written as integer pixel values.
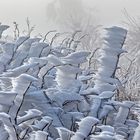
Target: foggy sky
(108, 12)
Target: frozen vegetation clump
(50, 92)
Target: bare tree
(71, 15)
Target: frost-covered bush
(46, 91)
(129, 64)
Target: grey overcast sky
(107, 11)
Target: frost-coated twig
(21, 88)
(45, 37)
(91, 57)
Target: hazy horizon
(107, 12)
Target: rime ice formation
(48, 92)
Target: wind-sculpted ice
(48, 92)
